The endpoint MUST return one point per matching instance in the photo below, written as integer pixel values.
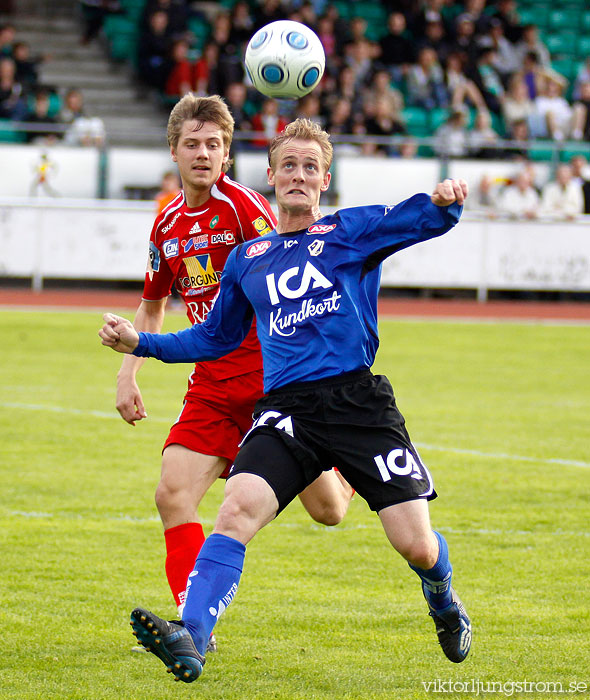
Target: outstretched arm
(448, 192)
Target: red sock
(183, 544)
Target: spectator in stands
(425, 82)
(230, 67)
(461, 90)
(207, 71)
(176, 12)
(180, 75)
(154, 50)
(532, 74)
(358, 57)
(242, 24)
(83, 130)
(408, 149)
(582, 104)
(519, 131)
(451, 137)
(397, 47)
(506, 11)
(266, 11)
(93, 16)
(12, 103)
(436, 38)
(236, 98)
(482, 140)
(530, 43)
(517, 105)
(381, 121)
(268, 122)
(380, 88)
(553, 116)
(581, 176)
(339, 25)
(340, 118)
(582, 76)
(487, 79)
(484, 197)
(327, 36)
(7, 38)
(506, 62)
(520, 199)
(429, 11)
(41, 117)
(465, 39)
(308, 107)
(476, 10)
(27, 67)
(562, 198)
(170, 186)
(346, 88)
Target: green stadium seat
(416, 121)
(570, 151)
(541, 151)
(438, 116)
(114, 25)
(568, 67)
(343, 8)
(201, 29)
(564, 19)
(123, 47)
(583, 46)
(585, 21)
(534, 15)
(562, 44)
(8, 134)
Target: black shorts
(350, 422)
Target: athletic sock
(212, 586)
(183, 544)
(436, 582)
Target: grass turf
(500, 414)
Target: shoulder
(238, 192)
(169, 215)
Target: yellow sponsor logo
(200, 272)
(261, 225)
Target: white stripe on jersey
(216, 194)
(251, 194)
(173, 204)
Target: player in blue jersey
(313, 285)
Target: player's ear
(173, 154)
(326, 182)
(270, 177)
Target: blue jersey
(314, 293)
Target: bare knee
(421, 553)
(329, 512)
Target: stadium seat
(416, 121)
(579, 150)
(562, 44)
(438, 116)
(534, 15)
(583, 46)
(568, 67)
(8, 134)
(541, 151)
(585, 21)
(201, 29)
(563, 19)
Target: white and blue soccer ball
(285, 59)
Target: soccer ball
(285, 59)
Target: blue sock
(212, 586)
(437, 581)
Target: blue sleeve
(390, 229)
(224, 330)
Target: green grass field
(500, 413)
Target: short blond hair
(306, 130)
(202, 109)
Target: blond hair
(201, 109)
(306, 130)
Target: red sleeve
(158, 276)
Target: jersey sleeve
(158, 276)
(224, 330)
(380, 231)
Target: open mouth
(296, 191)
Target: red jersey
(188, 247)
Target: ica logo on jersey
(291, 284)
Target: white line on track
(423, 446)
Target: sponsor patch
(200, 273)
(153, 264)
(226, 237)
(316, 247)
(258, 248)
(320, 228)
(261, 226)
(196, 228)
(214, 221)
(170, 248)
(195, 243)
(171, 224)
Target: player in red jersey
(189, 244)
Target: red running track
(105, 300)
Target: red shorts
(216, 414)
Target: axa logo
(320, 228)
(399, 462)
(310, 278)
(258, 248)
